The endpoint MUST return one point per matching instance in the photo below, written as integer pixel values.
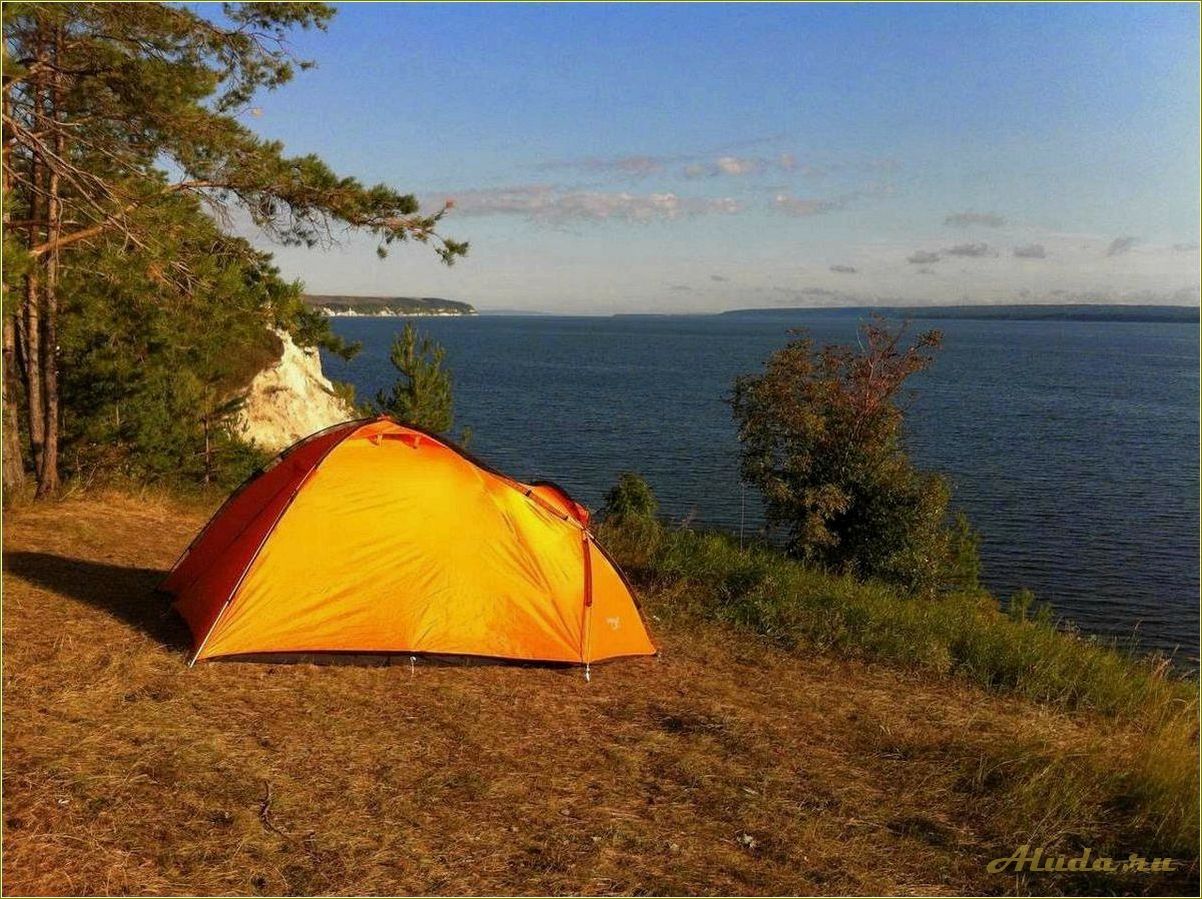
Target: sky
(694, 158)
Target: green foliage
(1023, 607)
(630, 498)
(822, 440)
(627, 522)
(963, 554)
(345, 391)
(308, 326)
(422, 395)
(395, 305)
(964, 632)
(151, 366)
(16, 266)
(135, 114)
(159, 82)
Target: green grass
(965, 633)
(1149, 782)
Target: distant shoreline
(1082, 312)
(342, 306)
(429, 307)
(390, 313)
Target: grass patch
(1143, 787)
(731, 763)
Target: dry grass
(724, 766)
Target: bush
(631, 497)
(153, 367)
(627, 522)
(965, 632)
(822, 440)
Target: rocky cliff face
(290, 400)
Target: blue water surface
(1072, 446)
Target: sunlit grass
(1147, 781)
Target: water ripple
(1073, 446)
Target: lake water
(1072, 446)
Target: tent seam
(267, 536)
(241, 488)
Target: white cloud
(971, 250)
(922, 257)
(802, 207)
(741, 166)
(550, 204)
(735, 165)
(633, 166)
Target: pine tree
(422, 395)
(113, 112)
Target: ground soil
(722, 766)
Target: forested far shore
(332, 304)
(1100, 312)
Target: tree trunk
(208, 451)
(29, 333)
(30, 336)
(48, 470)
(14, 465)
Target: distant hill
(387, 306)
(1075, 312)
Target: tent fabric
(377, 537)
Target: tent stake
(587, 676)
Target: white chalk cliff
(290, 400)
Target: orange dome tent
(374, 537)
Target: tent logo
(614, 623)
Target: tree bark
(30, 337)
(14, 464)
(48, 469)
(29, 332)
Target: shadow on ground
(127, 594)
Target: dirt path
(724, 766)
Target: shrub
(627, 522)
(631, 497)
(822, 440)
(964, 632)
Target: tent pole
(587, 635)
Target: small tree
(627, 523)
(822, 439)
(422, 395)
(630, 497)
